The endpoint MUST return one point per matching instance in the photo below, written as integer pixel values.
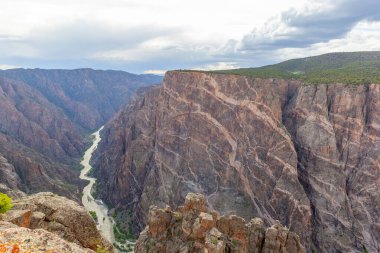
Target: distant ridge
(345, 67)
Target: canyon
(297, 144)
(272, 148)
(45, 118)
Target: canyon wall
(308, 156)
(44, 118)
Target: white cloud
(7, 67)
(148, 35)
(155, 72)
(218, 66)
(363, 37)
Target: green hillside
(349, 68)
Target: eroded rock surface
(308, 156)
(195, 228)
(19, 239)
(58, 215)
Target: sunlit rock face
(308, 156)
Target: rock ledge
(48, 220)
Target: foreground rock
(195, 228)
(58, 215)
(13, 237)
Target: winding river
(105, 223)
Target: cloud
(79, 44)
(218, 66)
(147, 36)
(3, 66)
(82, 39)
(155, 72)
(305, 27)
(364, 36)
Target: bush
(5, 203)
(100, 249)
(93, 215)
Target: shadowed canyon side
(88, 97)
(44, 118)
(308, 156)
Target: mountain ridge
(341, 67)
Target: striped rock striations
(307, 156)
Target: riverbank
(104, 222)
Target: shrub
(5, 203)
(93, 215)
(100, 249)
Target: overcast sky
(151, 36)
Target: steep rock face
(307, 156)
(38, 140)
(28, 117)
(8, 175)
(336, 130)
(44, 117)
(195, 228)
(59, 216)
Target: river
(105, 223)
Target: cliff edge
(46, 222)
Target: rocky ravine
(308, 156)
(45, 116)
(46, 222)
(195, 228)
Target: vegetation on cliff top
(347, 68)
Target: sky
(150, 36)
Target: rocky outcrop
(195, 228)
(58, 215)
(307, 156)
(18, 239)
(13, 193)
(45, 115)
